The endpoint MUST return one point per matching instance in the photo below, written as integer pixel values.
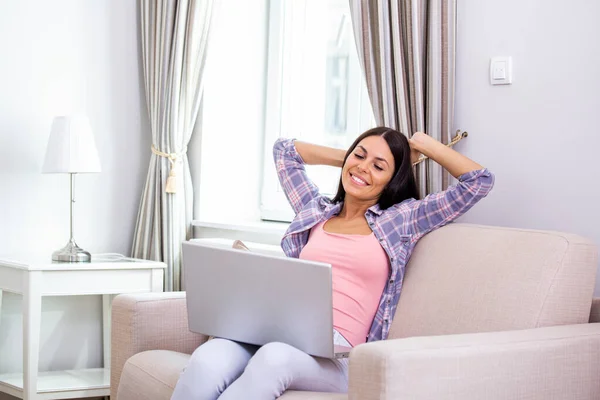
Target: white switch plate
(501, 71)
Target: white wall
(540, 135)
(59, 57)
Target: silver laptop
(257, 299)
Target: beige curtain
(174, 41)
(407, 51)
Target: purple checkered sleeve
(438, 209)
(296, 184)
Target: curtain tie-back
(173, 158)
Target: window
(315, 89)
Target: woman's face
(368, 169)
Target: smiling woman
(377, 194)
(366, 233)
(381, 159)
(365, 174)
(377, 169)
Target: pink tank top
(360, 268)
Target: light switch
(501, 71)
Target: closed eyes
(361, 157)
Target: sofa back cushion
(467, 278)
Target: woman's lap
(226, 370)
(212, 367)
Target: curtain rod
(457, 138)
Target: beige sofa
(486, 313)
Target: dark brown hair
(403, 184)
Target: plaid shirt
(397, 228)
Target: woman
(367, 233)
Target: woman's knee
(219, 358)
(211, 369)
(273, 356)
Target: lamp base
(71, 253)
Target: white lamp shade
(71, 147)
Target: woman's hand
(414, 143)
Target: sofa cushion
(153, 375)
(467, 278)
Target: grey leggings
(228, 370)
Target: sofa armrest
(595, 311)
(148, 321)
(559, 362)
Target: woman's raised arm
(313, 154)
(290, 156)
(454, 162)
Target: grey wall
(540, 135)
(60, 57)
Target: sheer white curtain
(407, 51)
(174, 42)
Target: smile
(356, 180)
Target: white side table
(106, 275)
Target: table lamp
(71, 150)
